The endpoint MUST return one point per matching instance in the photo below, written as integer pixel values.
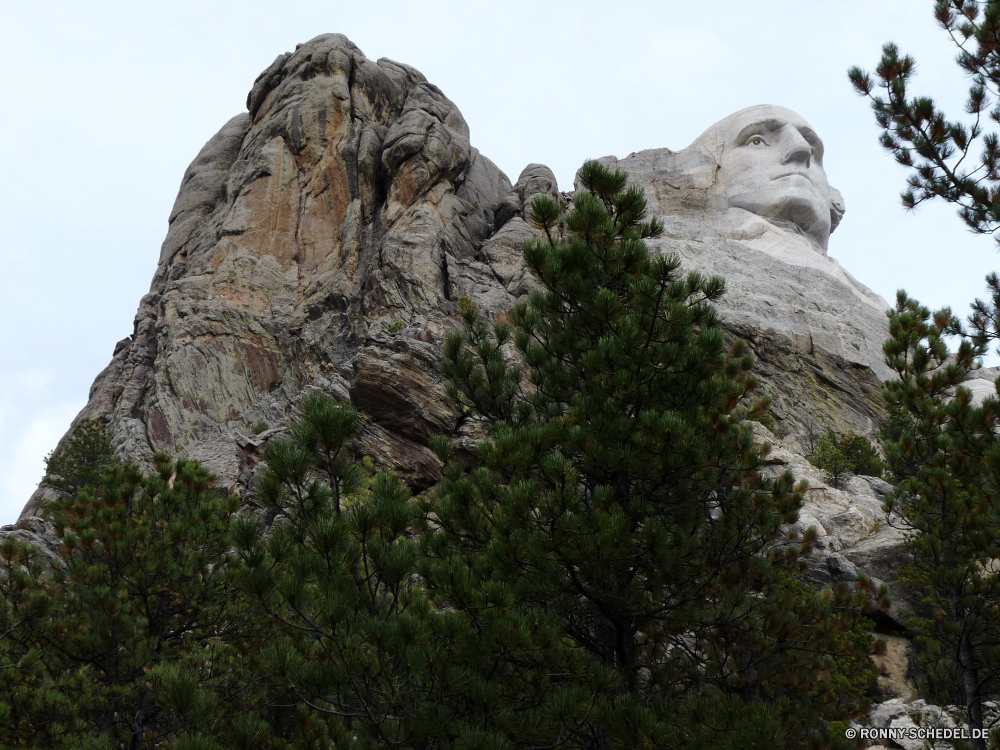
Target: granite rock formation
(323, 238)
(749, 200)
(320, 240)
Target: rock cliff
(318, 240)
(323, 238)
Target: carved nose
(797, 149)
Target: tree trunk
(970, 680)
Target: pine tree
(940, 449)
(947, 461)
(620, 502)
(34, 712)
(334, 573)
(919, 135)
(841, 455)
(830, 457)
(900, 420)
(364, 656)
(137, 635)
(79, 464)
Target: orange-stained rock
(322, 240)
(311, 244)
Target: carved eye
(756, 140)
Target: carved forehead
(738, 126)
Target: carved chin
(805, 210)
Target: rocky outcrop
(918, 725)
(749, 200)
(37, 532)
(319, 240)
(854, 533)
(322, 240)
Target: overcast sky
(106, 103)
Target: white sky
(106, 103)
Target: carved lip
(793, 174)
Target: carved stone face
(771, 164)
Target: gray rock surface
(320, 239)
(323, 239)
(854, 533)
(749, 200)
(37, 532)
(535, 179)
(901, 714)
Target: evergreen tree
(33, 711)
(846, 454)
(364, 657)
(830, 457)
(919, 135)
(863, 456)
(335, 575)
(620, 502)
(900, 420)
(81, 462)
(137, 634)
(947, 459)
(940, 449)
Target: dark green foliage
(947, 458)
(941, 450)
(863, 456)
(847, 454)
(335, 574)
(900, 421)
(610, 573)
(138, 632)
(26, 692)
(918, 134)
(830, 457)
(79, 464)
(358, 647)
(620, 504)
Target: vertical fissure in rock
(444, 273)
(351, 68)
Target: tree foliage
(900, 420)
(80, 463)
(334, 574)
(620, 500)
(610, 568)
(840, 455)
(368, 658)
(137, 631)
(941, 153)
(941, 448)
(947, 458)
